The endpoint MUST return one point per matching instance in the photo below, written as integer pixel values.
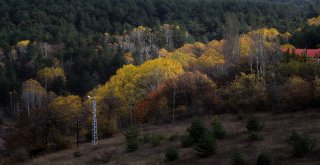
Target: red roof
(312, 53)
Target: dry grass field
(275, 141)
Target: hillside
(75, 30)
(275, 142)
(129, 64)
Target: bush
(146, 138)
(156, 139)
(253, 124)
(76, 154)
(302, 144)
(132, 140)
(172, 154)
(295, 93)
(248, 92)
(174, 137)
(264, 159)
(255, 136)
(206, 145)
(186, 141)
(197, 129)
(237, 158)
(218, 130)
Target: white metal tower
(94, 123)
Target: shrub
(77, 154)
(174, 137)
(197, 129)
(146, 138)
(295, 93)
(248, 92)
(237, 158)
(172, 154)
(218, 130)
(132, 138)
(254, 124)
(206, 145)
(186, 141)
(156, 139)
(302, 144)
(264, 159)
(255, 136)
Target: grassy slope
(276, 132)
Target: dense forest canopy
(82, 37)
(64, 21)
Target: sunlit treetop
(183, 58)
(287, 47)
(196, 49)
(131, 83)
(23, 43)
(314, 21)
(268, 34)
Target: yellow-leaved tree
(296, 93)
(132, 83)
(67, 109)
(314, 21)
(23, 43)
(195, 49)
(247, 92)
(48, 74)
(185, 59)
(210, 62)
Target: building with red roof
(310, 53)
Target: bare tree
(258, 53)
(231, 36)
(168, 32)
(140, 42)
(32, 94)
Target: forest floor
(276, 132)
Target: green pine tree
(302, 144)
(237, 158)
(132, 138)
(264, 159)
(217, 129)
(197, 129)
(172, 154)
(254, 124)
(206, 145)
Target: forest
(148, 62)
(72, 33)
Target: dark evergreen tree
(254, 124)
(186, 140)
(206, 145)
(172, 154)
(302, 145)
(217, 129)
(264, 159)
(197, 129)
(237, 158)
(132, 138)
